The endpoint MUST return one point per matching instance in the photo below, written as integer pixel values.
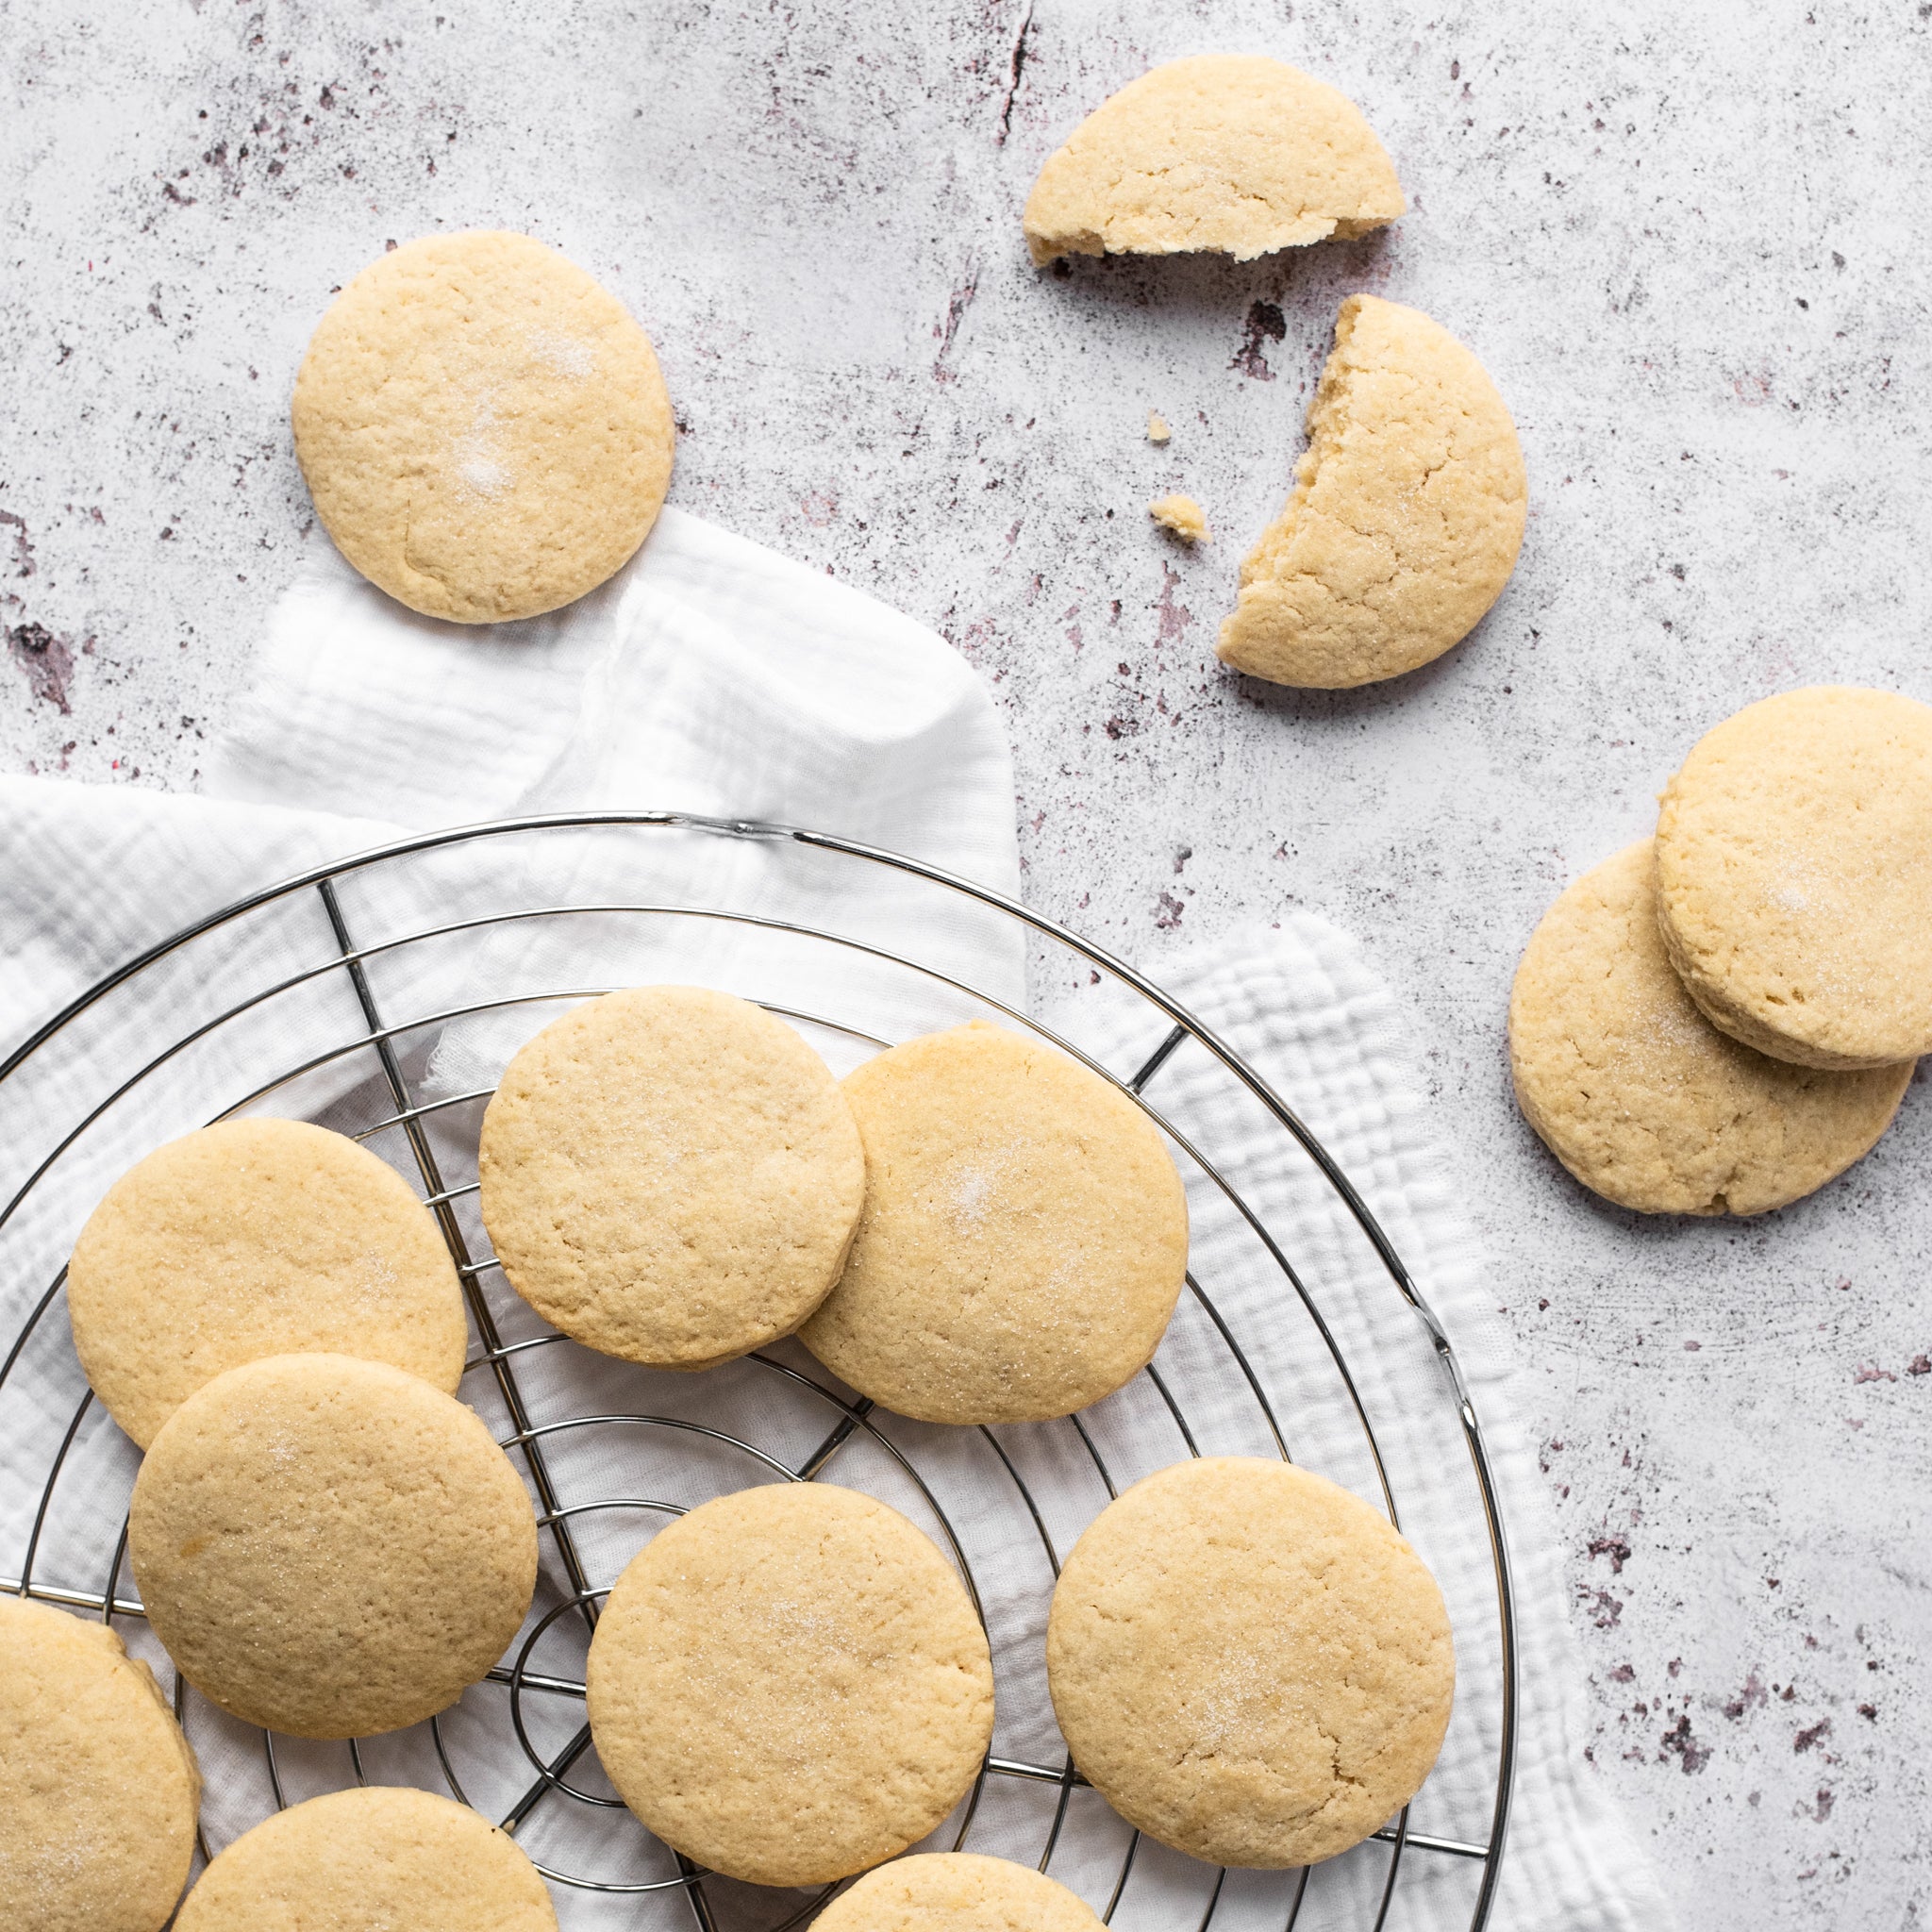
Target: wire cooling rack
(381, 995)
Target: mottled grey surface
(1682, 238)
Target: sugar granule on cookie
(1405, 518)
(1230, 153)
(1182, 515)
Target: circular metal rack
(335, 995)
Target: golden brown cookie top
(790, 1685)
(956, 1892)
(368, 1859)
(1640, 1096)
(1794, 867)
(98, 1788)
(1405, 518)
(253, 1237)
(1232, 153)
(1024, 1236)
(1249, 1663)
(329, 1546)
(483, 427)
(671, 1175)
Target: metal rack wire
(370, 1059)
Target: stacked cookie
(1721, 1018)
(1410, 502)
(790, 1685)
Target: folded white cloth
(713, 678)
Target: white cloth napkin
(714, 678)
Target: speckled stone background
(1684, 240)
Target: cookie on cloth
(367, 1859)
(1640, 1096)
(1794, 876)
(98, 1788)
(330, 1547)
(671, 1175)
(251, 1238)
(790, 1685)
(1230, 153)
(483, 427)
(956, 1892)
(1249, 1663)
(1405, 517)
(1024, 1236)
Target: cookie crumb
(1182, 515)
(1157, 430)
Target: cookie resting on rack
(368, 1859)
(330, 1547)
(98, 1788)
(1024, 1236)
(253, 1237)
(1249, 1663)
(956, 1892)
(671, 1175)
(790, 1685)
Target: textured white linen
(715, 677)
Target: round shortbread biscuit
(329, 1546)
(956, 1892)
(1232, 153)
(1640, 1096)
(255, 1238)
(1249, 1663)
(1794, 876)
(1405, 517)
(1024, 1236)
(368, 1859)
(98, 1788)
(483, 427)
(790, 1685)
(671, 1175)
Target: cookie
(1024, 1236)
(1249, 1663)
(255, 1237)
(1182, 515)
(670, 1176)
(790, 1685)
(330, 1547)
(482, 426)
(1640, 1096)
(1230, 153)
(1405, 517)
(956, 1891)
(1795, 876)
(98, 1788)
(367, 1859)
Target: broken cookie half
(1405, 518)
(1228, 153)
